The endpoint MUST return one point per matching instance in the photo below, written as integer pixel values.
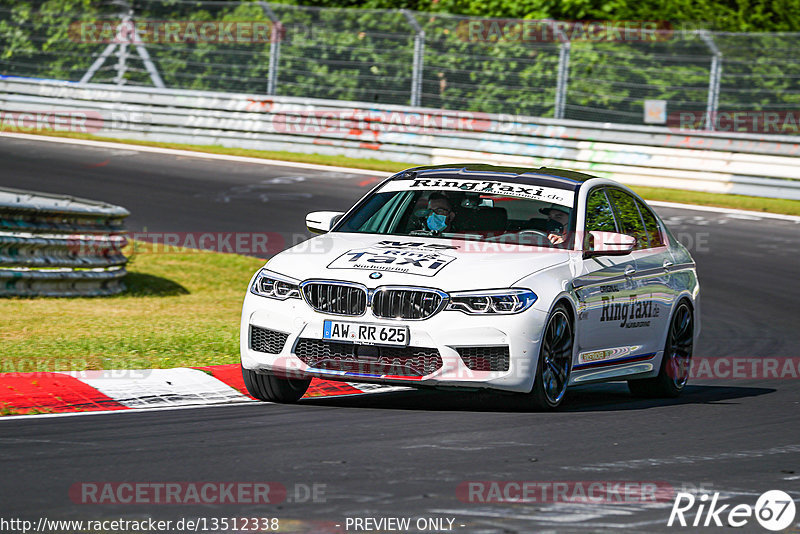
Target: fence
(59, 246)
(396, 57)
(638, 155)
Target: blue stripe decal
(603, 363)
(339, 373)
(564, 178)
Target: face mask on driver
(437, 222)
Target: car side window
(629, 217)
(599, 215)
(651, 226)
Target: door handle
(667, 264)
(630, 270)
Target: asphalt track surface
(405, 453)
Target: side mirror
(608, 244)
(321, 222)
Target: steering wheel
(536, 232)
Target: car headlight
(275, 286)
(493, 301)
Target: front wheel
(270, 388)
(675, 364)
(555, 361)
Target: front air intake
(366, 359)
(487, 358)
(265, 340)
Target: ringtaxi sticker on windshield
(553, 195)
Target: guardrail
(60, 246)
(746, 164)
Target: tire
(675, 364)
(555, 361)
(270, 388)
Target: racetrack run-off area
(76, 392)
(405, 453)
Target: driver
(557, 220)
(441, 214)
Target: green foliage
(367, 55)
(721, 15)
(32, 35)
(182, 309)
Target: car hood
(446, 264)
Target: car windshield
(510, 213)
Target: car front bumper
(446, 332)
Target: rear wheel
(555, 361)
(268, 387)
(674, 371)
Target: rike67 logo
(774, 510)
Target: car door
(603, 289)
(651, 296)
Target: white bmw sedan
(473, 277)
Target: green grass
(181, 309)
(9, 410)
(773, 205)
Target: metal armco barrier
(746, 164)
(60, 246)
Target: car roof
(545, 176)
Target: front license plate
(366, 334)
